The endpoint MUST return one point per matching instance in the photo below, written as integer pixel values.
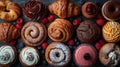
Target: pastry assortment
(60, 42)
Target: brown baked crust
(64, 9)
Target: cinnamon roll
(33, 33)
(29, 56)
(8, 32)
(58, 54)
(7, 55)
(60, 30)
(111, 31)
(34, 10)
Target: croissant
(8, 32)
(64, 9)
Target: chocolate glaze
(88, 32)
(34, 10)
(112, 9)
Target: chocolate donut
(58, 54)
(111, 31)
(109, 54)
(33, 33)
(34, 10)
(88, 32)
(111, 10)
(89, 10)
(60, 30)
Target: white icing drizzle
(29, 56)
(7, 54)
(63, 57)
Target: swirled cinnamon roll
(60, 30)
(29, 56)
(34, 10)
(33, 33)
(7, 55)
(58, 54)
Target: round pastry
(85, 55)
(89, 10)
(29, 56)
(58, 54)
(111, 31)
(88, 32)
(111, 10)
(9, 11)
(60, 30)
(34, 10)
(33, 33)
(8, 32)
(109, 54)
(8, 55)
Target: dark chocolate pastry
(34, 10)
(88, 31)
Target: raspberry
(51, 18)
(76, 22)
(18, 26)
(71, 42)
(100, 16)
(13, 42)
(102, 42)
(44, 45)
(98, 46)
(44, 20)
(100, 22)
(19, 21)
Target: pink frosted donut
(85, 55)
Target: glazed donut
(33, 33)
(111, 10)
(58, 54)
(111, 31)
(60, 30)
(109, 54)
(89, 10)
(9, 11)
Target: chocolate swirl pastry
(34, 10)
(89, 10)
(60, 30)
(8, 32)
(88, 32)
(109, 54)
(33, 33)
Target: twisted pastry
(64, 9)
(9, 11)
(57, 54)
(60, 30)
(8, 32)
(7, 54)
(111, 31)
(109, 54)
(33, 33)
(34, 10)
(29, 56)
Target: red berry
(44, 20)
(19, 21)
(76, 22)
(100, 22)
(44, 45)
(102, 42)
(51, 18)
(98, 46)
(18, 26)
(100, 16)
(13, 42)
(71, 42)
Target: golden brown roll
(33, 33)
(109, 54)
(9, 11)
(64, 9)
(8, 32)
(111, 31)
(60, 30)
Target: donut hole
(111, 8)
(57, 55)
